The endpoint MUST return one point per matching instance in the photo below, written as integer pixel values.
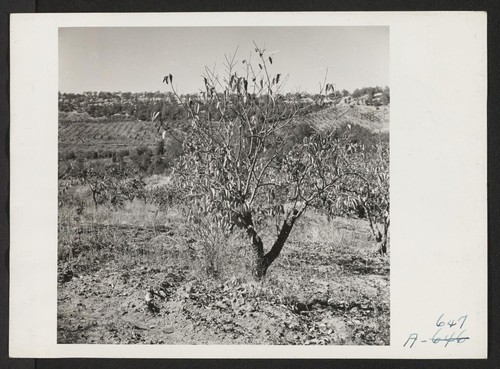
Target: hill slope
(92, 136)
(89, 136)
(376, 120)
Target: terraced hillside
(92, 136)
(376, 120)
(89, 136)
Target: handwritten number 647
(451, 323)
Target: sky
(135, 59)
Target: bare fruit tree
(111, 185)
(238, 168)
(366, 190)
(163, 197)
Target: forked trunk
(262, 262)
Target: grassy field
(329, 286)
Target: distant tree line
(102, 106)
(123, 104)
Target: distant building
(361, 100)
(377, 98)
(328, 101)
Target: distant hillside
(376, 120)
(113, 136)
(116, 136)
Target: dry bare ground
(119, 281)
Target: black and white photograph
(224, 185)
(259, 185)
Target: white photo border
(438, 181)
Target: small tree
(365, 191)
(238, 169)
(110, 184)
(163, 197)
(160, 147)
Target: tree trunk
(154, 222)
(382, 249)
(264, 261)
(94, 197)
(244, 220)
(258, 252)
(383, 238)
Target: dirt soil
(127, 285)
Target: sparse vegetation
(239, 215)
